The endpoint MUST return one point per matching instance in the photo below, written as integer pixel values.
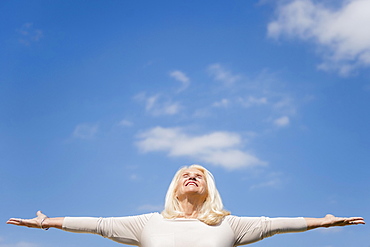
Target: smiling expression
(191, 182)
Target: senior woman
(193, 216)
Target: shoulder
(131, 219)
(235, 217)
(144, 217)
(149, 215)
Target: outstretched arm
(330, 220)
(41, 221)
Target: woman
(193, 216)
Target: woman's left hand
(330, 220)
(34, 223)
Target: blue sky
(102, 101)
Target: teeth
(191, 183)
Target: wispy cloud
(29, 34)
(252, 101)
(217, 148)
(156, 105)
(263, 92)
(220, 73)
(85, 131)
(236, 90)
(222, 103)
(134, 177)
(285, 104)
(342, 35)
(273, 183)
(270, 180)
(282, 121)
(181, 77)
(125, 123)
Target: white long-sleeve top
(152, 230)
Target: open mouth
(191, 183)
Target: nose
(193, 178)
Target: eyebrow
(198, 174)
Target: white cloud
(282, 121)
(269, 180)
(181, 77)
(272, 183)
(222, 103)
(85, 131)
(157, 106)
(285, 105)
(169, 108)
(342, 35)
(125, 123)
(219, 73)
(217, 148)
(29, 34)
(252, 101)
(134, 177)
(263, 98)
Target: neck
(191, 206)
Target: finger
(40, 214)
(356, 222)
(15, 221)
(351, 219)
(10, 221)
(357, 218)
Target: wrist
(324, 222)
(45, 223)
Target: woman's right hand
(34, 223)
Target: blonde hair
(212, 211)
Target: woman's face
(192, 182)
